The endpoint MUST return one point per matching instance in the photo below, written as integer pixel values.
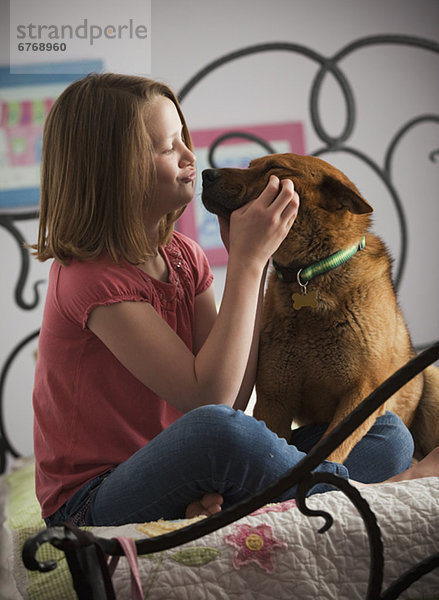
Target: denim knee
(399, 441)
(209, 435)
(227, 428)
(230, 438)
(386, 450)
(216, 412)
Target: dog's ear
(337, 195)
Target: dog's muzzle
(210, 176)
(210, 197)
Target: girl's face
(174, 162)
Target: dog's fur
(318, 363)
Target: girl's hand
(258, 228)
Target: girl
(139, 381)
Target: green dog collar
(303, 276)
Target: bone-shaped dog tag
(301, 300)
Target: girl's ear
(338, 195)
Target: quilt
(276, 552)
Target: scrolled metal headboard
(331, 65)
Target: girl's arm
(249, 379)
(145, 344)
(205, 316)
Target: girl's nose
(188, 157)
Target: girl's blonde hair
(98, 175)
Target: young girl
(139, 381)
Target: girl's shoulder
(94, 274)
(80, 286)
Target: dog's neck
(303, 275)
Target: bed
(290, 558)
(380, 544)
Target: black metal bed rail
(86, 552)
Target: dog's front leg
(344, 408)
(274, 413)
(275, 397)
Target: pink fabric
(130, 550)
(91, 413)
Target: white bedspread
(273, 554)
(279, 554)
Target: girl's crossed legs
(218, 449)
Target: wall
(392, 84)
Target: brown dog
(332, 332)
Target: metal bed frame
(85, 552)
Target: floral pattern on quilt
(254, 544)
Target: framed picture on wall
(25, 100)
(231, 147)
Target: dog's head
(332, 212)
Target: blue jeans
(386, 450)
(215, 448)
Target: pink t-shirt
(91, 413)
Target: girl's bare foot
(208, 505)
